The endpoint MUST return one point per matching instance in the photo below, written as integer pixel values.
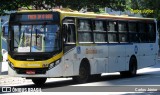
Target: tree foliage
(146, 5)
(92, 5)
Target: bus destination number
(40, 17)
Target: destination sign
(40, 16)
(34, 17)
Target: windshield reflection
(36, 38)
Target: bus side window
(142, 32)
(151, 32)
(99, 31)
(112, 31)
(122, 27)
(70, 35)
(133, 33)
(84, 30)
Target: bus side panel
(116, 58)
(97, 56)
(147, 57)
(56, 71)
(69, 61)
(131, 51)
(101, 57)
(154, 52)
(85, 52)
(74, 57)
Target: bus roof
(103, 16)
(88, 15)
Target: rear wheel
(39, 81)
(84, 74)
(132, 69)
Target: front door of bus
(69, 46)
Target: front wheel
(84, 74)
(39, 81)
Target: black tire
(84, 74)
(132, 69)
(39, 81)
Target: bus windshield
(36, 37)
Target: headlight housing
(11, 65)
(54, 64)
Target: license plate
(30, 72)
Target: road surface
(113, 82)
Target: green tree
(145, 5)
(93, 5)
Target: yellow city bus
(47, 44)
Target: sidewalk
(6, 80)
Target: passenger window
(70, 35)
(142, 32)
(99, 25)
(112, 38)
(84, 31)
(112, 26)
(133, 33)
(132, 27)
(84, 25)
(122, 26)
(112, 31)
(123, 37)
(99, 31)
(151, 32)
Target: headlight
(54, 64)
(51, 65)
(11, 65)
(57, 62)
